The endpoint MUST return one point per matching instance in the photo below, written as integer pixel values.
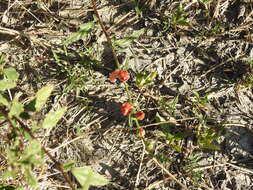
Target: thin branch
(167, 172)
(105, 32)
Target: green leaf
(159, 118)
(84, 30)
(145, 79)
(210, 146)
(68, 165)
(25, 115)
(7, 84)
(86, 177)
(31, 180)
(2, 61)
(136, 34)
(11, 73)
(42, 95)
(179, 17)
(4, 101)
(33, 148)
(53, 117)
(126, 41)
(177, 148)
(30, 106)
(33, 154)
(16, 107)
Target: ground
(201, 52)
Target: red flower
(140, 115)
(141, 132)
(122, 75)
(126, 108)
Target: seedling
(179, 17)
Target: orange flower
(126, 108)
(122, 75)
(141, 132)
(140, 115)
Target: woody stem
(106, 33)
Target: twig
(167, 172)
(248, 17)
(57, 163)
(9, 31)
(152, 185)
(240, 168)
(222, 63)
(106, 33)
(224, 164)
(207, 167)
(169, 121)
(139, 170)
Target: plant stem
(106, 33)
(137, 123)
(128, 92)
(57, 163)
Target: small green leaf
(31, 180)
(7, 84)
(210, 146)
(33, 148)
(68, 165)
(32, 155)
(84, 30)
(159, 118)
(2, 61)
(145, 79)
(126, 41)
(30, 106)
(42, 95)
(136, 34)
(4, 101)
(24, 115)
(16, 107)
(177, 148)
(86, 177)
(11, 73)
(53, 117)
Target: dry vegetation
(198, 109)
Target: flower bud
(140, 115)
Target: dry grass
(203, 48)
